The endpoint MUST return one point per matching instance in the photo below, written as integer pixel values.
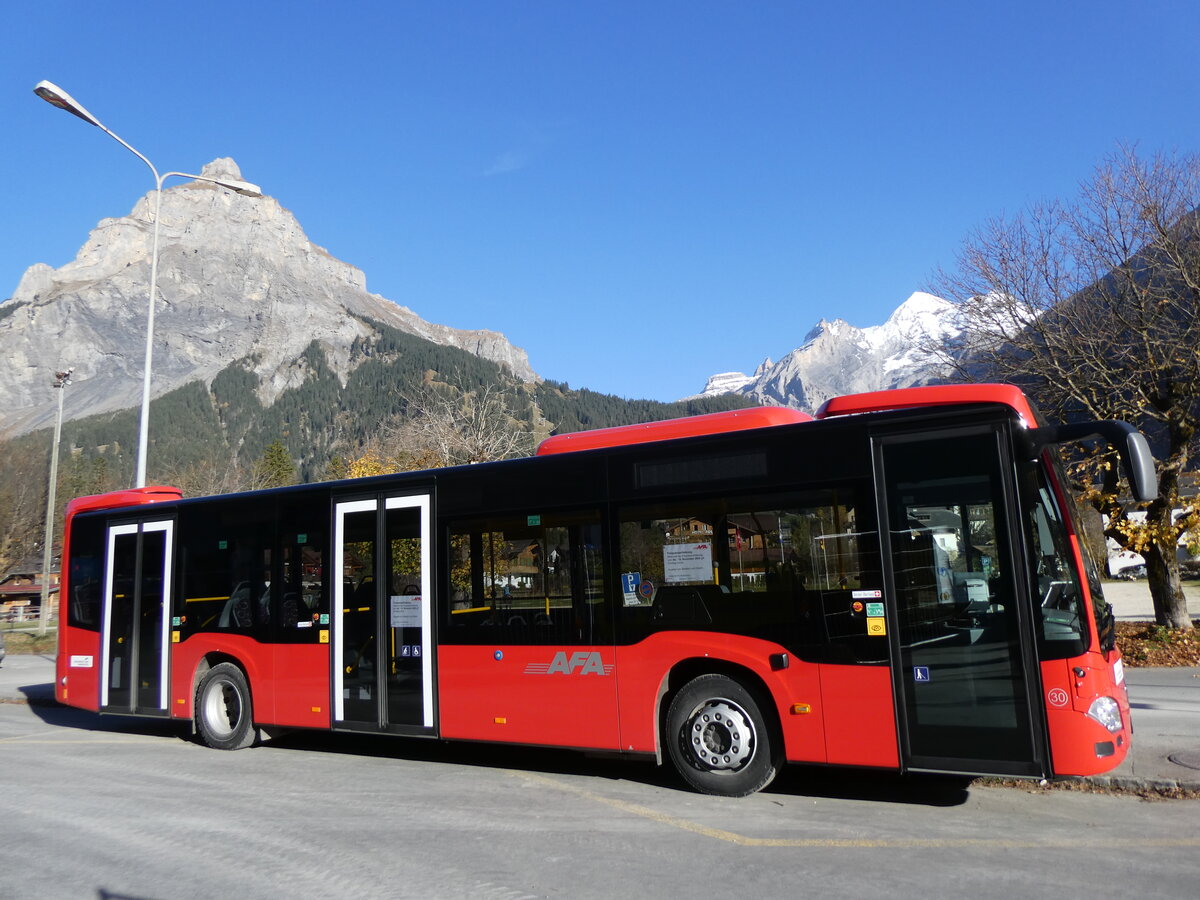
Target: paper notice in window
(406, 611)
(687, 562)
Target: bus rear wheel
(718, 739)
(224, 715)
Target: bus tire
(224, 714)
(719, 740)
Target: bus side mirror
(1108, 627)
(1136, 458)
(1139, 467)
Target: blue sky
(640, 194)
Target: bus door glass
(382, 627)
(958, 628)
(135, 626)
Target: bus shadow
(86, 720)
(872, 786)
(545, 760)
(38, 694)
(796, 780)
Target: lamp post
(56, 96)
(61, 380)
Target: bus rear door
(965, 676)
(134, 660)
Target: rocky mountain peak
(238, 279)
(224, 168)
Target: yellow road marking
(68, 740)
(730, 837)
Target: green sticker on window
(222, 545)
(533, 520)
(302, 539)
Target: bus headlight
(1105, 711)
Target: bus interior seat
(680, 605)
(237, 613)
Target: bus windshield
(1059, 595)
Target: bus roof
(689, 426)
(131, 497)
(931, 395)
(669, 429)
(768, 416)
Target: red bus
(896, 583)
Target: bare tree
(446, 423)
(1093, 306)
(214, 476)
(457, 424)
(22, 509)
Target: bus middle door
(382, 617)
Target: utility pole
(61, 380)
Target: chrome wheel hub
(222, 708)
(720, 735)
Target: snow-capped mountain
(838, 358)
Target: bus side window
(300, 607)
(534, 579)
(784, 568)
(227, 572)
(84, 578)
(843, 567)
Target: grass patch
(1086, 786)
(30, 642)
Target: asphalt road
(99, 807)
(1166, 729)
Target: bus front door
(382, 626)
(965, 677)
(133, 676)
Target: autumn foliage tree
(1092, 304)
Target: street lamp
(61, 380)
(56, 96)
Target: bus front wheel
(719, 740)
(224, 715)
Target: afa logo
(581, 662)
